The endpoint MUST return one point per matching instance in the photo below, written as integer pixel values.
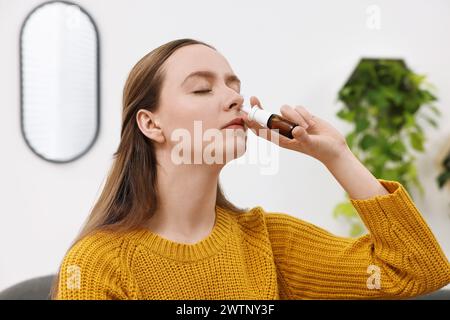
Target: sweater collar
(184, 252)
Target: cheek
(192, 116)
(189, 125)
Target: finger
(261, 131)
(273, 136)
(268, 134)
(305, 114)
(289, 113)
(254, 101)
(299, 133)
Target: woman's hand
(314, 136)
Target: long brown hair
(130, 196)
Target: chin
(236, 146)
(232, 146)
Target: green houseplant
(444, 176)
(387, 104)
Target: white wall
(294, 52)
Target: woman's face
(195, 108)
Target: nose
(237, 100)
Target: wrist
(342, 156)
(354, 177)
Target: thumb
(254, 101)
(299, 133)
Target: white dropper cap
(256, 114)
(246, 108)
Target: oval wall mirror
(59, 78)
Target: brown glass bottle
(284, 126)
(270, 120)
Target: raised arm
(399, 258)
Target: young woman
(162, 229)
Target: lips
(235, 122)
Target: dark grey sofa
(32, 289)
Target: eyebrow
(212, 75)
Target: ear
(149, 124)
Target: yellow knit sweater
(265, 255)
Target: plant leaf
(416, 140)
(357, 229)
(367, 141)
(434, 109)
(443, 178)
(362, 124)
(345, 209)
(350, 138)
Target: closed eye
(202, 91)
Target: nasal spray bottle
(270, 120)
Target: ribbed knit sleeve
(398, 258)
(91, 270)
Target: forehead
(193, 58)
